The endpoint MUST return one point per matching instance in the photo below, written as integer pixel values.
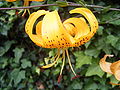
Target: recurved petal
(29, 27)
(89, 16)
(115, 68)
(53, 32)
(117, 74)
(92, 22)
(38, 28)
(71, 29)
(80, 25)
(105, 66)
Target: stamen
(63, 64)
(26, 3)
(24, 12)
(70, 62)
(50, 65)
(59, 79)
(77, 76)
(28, 11)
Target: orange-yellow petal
(38, 28)
(29, 27)
(105, 66)
(80, 25)
(112, 68)
(81, 39)
(72, 32)
(70, 28)
(115, 68)
(89, 16)
(53, 32)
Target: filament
(24, 12)
(50, 65)
(63, 64)
(70, 62)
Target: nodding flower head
(51, 32)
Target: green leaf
(3, 62)
(21, 75)
(92, 52)
(94, 69)
(90, 85)
(36, 3)
(102, 81)
(11, 12)
(114, 80)
(82, 59)
(111, 18)
(82, 3)
(112, 40)
(100, 43)
(56, 71)
(75, 85)
(6, 47)
(17, 75)
(115, 21)
(18, 54)
(100, 30)
(87, 44)
(25, 63)
(117, 45)
(2, 51)
(4, 27)
(62, 3)
(52, 7)
(52, 53)
(106, 9)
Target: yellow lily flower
(52, 33)
(26, 3)
(111, 68)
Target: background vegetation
(20, 57)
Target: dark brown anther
(59, 79)
(16, 13)
(77, 76)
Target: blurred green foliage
(20, 58)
